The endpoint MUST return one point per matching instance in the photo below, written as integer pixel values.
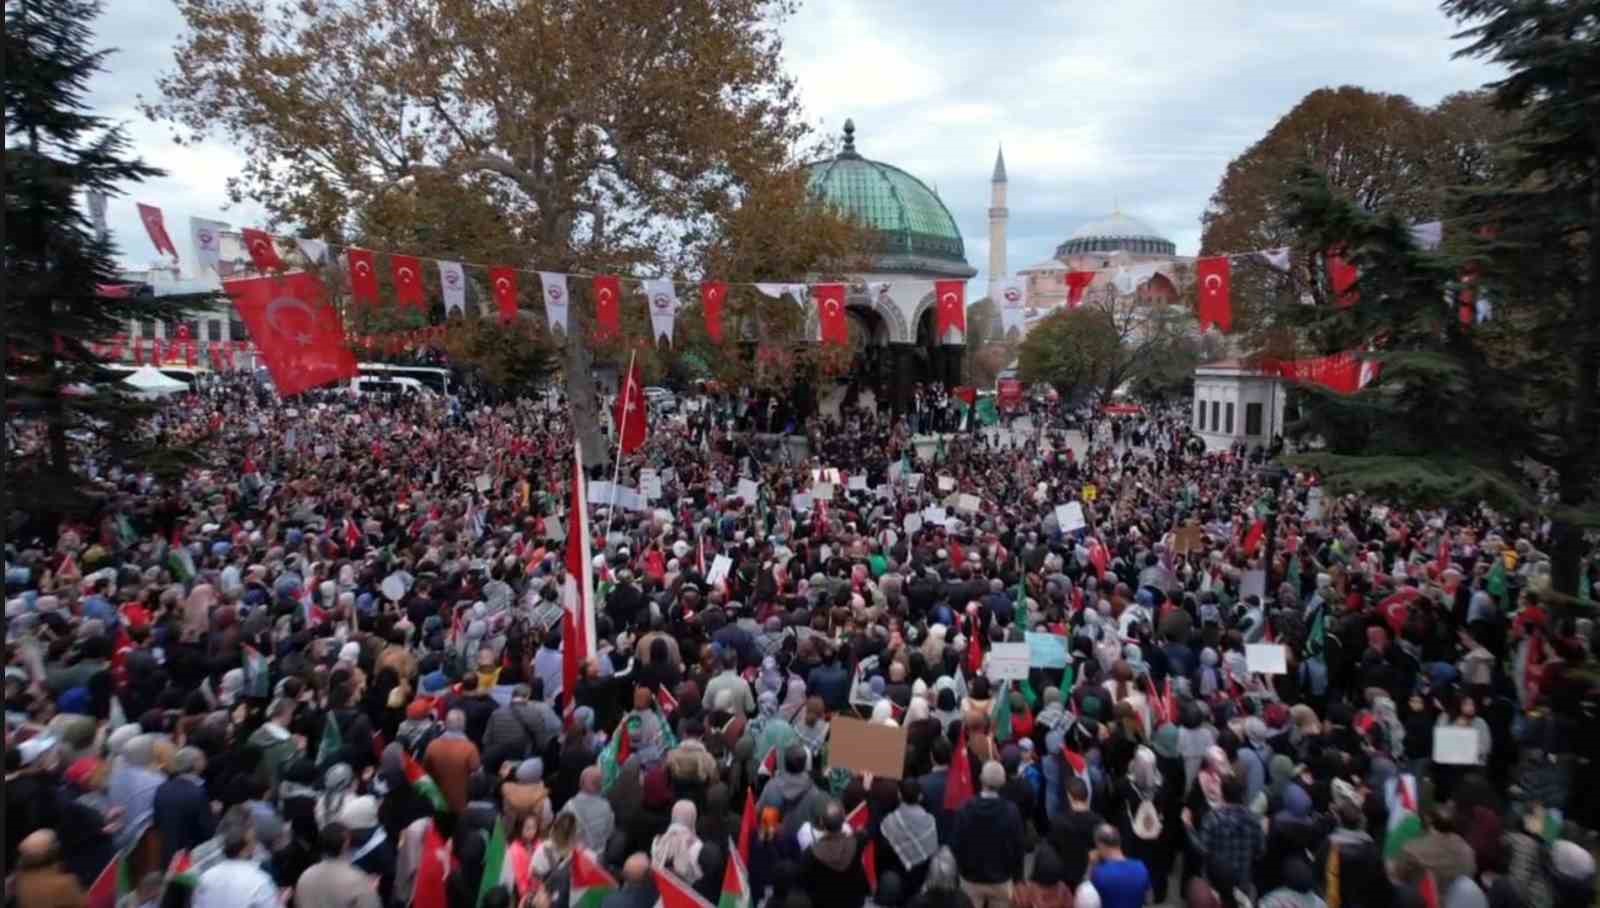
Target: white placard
(553, 530)
(720, 566)
(393, 588)
(913, 480)
(1454, 746)
(1314, 503)
(968, 504)
(895, 469)
(1070, 516)
(857, 482)
(946, 483)
(649, 484)
(1266, 658)
(935, 516)
(485, 482)
(800, 502)
(1253, 583)
(822, 491)
(1009, 661)
(912, 523)
(600, 492)
(749, 491)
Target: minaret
(997, 222)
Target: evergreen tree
(1540, 256)
(57, 149)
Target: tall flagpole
(616, 473)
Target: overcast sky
(1139, 104)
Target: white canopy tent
(147, 381)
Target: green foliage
(1072, 351)
(55, 262)
(509, 357)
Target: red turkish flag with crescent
(607, 307)
(298, 333)
(951, 297)
(263, 254)
(1342, 277)
(156, 226)
(1077, 283)
(407, 273)
(503, 283)
(1214, 278)
(830, 313)
(631, 427)
(712, 295)
(363, 275)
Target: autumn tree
(55, 261)
(630, 137)
(1073, 351)
(1381, 152)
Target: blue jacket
(182, 814)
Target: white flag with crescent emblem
(555, 300)
(1012, 299)
(454, 283)
(662, 298)
(207, 239)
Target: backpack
(1146, 821)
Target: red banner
(712, 294)
(1010, 394)
(297, 332)
(504, 282)
(607, 307)
(830, 313)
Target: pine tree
(55, 263)
(1542, 263)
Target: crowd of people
(326, 666)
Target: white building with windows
(1234, 402)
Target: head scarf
(678, 849)
(337, 783)
(1143, 773)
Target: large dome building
(914, 241)
(1115, 243)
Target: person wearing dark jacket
(933, 786)
(1362, 879)
(831, 869)
(1072, 833)
(182, 810)
(987, 840)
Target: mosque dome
(1116, 232)
(913, 230)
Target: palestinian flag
(112, 884)
(181, 871)
(616, 753)
(590, 882)
(1428, 890)
(257, 678)
(747, 824)
(433, 868)
(665, 700)
(1000, 715)
(674, 892)
(769, 764)
(497, 871)
(735, 883)
(422, 783)
(1405, 820)
(331, 747)
(1079, 767)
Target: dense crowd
(326, 666)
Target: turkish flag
(712, 293)
(607, 307)
(830, 313)
(503, 282)
(263, 254)
(1077, 283)
(297, 332)
(1214, 276)
(363, 275)
(631, 427)
(156, 226)
(952, 298)
(1252, 539)
(407, 274)
(1342, 278)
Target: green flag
(496, 869)
(1027, 693)
(331, 748)
(1002, 714)
(1496, 582)
(988, 413)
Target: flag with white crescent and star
(554, 285)
(952, 319)
(363, 275)
(630, 415)
(407, 273)
(1214, 278)
(298, 334)
(156, 226)
(712, 295)
(834, 329)
(607, 307)
(503, 282)
(263, 252)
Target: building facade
(1235, 402)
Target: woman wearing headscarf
(338, 785)
(1205, 796)
(1294, 830)
(1136, 810)
(794, 700)
(399, 804)
(1297, 890)
(577, 754)
(525, 796)
(678, 849)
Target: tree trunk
(1576, 481)
(578, 364)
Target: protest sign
(1453, 746)
(867, 748)
(1266, 658)
(720, 566)
(1070, 516)
(1009, 661)
(1046, 650)
(749, 491)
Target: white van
(388, 385)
